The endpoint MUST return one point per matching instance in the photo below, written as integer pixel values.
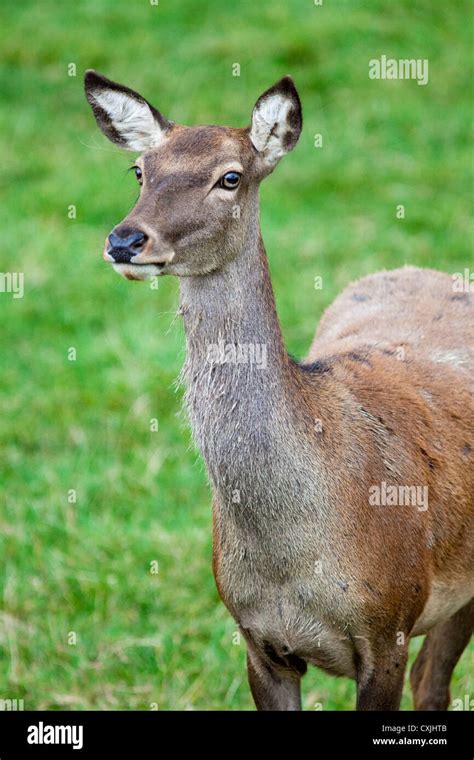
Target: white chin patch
(137, 271)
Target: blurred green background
(83, 568)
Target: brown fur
(310, 568)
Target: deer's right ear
(123, 115)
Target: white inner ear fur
(133, 120)
(269, 125)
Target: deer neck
(234, 306)
(237, 372)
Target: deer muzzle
(135, 248)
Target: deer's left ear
(123, 115)
(276, 121)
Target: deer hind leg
(443, 646)
(274, 686)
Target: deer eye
(230, 180)
(138, 174)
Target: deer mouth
(139, 271)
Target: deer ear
(123, 115)
(276, 121)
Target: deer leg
(443, 646)
(272, 687)
(380, 679)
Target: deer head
(198, 185)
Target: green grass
(84, 567)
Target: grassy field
(91, 496)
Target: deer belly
(443, 602)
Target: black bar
(161, 734)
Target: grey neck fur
(236, 408)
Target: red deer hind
(343, 485)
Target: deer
(317, 553)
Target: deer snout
(123, 244)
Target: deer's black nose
(123, 244)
